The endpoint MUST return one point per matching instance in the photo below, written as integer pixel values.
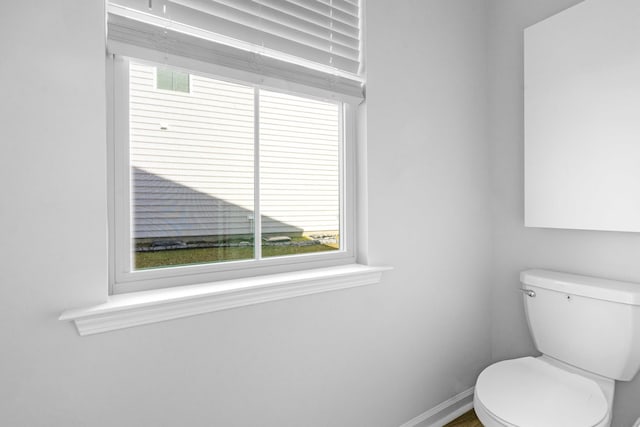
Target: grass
(177, 257)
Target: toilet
(588, 331)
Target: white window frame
(123, 279)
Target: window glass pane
(192, 168)
(164, 79)
(299, 174)
(181, 81)
(167, 79)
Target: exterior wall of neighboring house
(192, 158)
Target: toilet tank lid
(592, 287)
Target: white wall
(607, 254)
(373, 356)
(428, 153)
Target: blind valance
(313, 42)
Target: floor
(468, 419)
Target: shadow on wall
(163, 208)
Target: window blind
(311, 42)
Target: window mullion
(257, 219)
(342, 239)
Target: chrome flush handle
(529, 292)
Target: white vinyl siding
(299, 166)
(192, 160)
(191, 157)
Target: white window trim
(140, 308)
(132, 303)
(123, 279)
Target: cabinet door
(582, 118)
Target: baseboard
(447, 411)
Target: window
(231, 156)
(204, 166)
(232, 152)
(228, 177)
(175, 80)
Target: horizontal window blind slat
(265, 13)
(298, 33)
(352, 8)
(262, 14)
(293, 42)
(130, 37)
(256, 23)
(324, 8)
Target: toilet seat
(529, 392)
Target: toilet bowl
(587, 330)
(536, 392)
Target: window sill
(140, 308)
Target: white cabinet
(582, 118)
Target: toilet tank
(587, 322)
